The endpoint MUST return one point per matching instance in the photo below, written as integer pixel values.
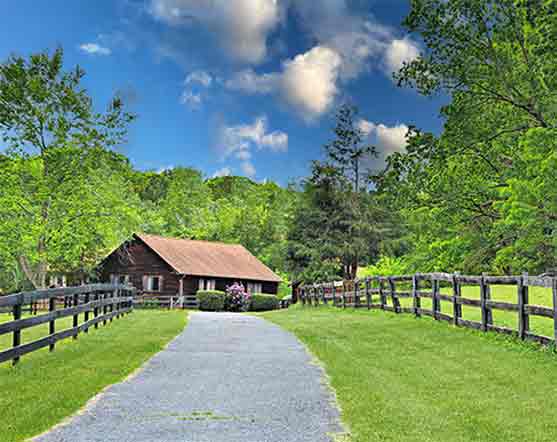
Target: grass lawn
(46, 387)
(399, 378)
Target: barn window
(207, 284)
(254, 287)
(153, 283)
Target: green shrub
(260, 303)
(211, 300)
(284, 290)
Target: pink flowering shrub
(237, 299)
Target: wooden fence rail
(375, 292)
(99, 303)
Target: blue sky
(244, 87)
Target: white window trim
(149, 286)
(255, 288)
(207, 284)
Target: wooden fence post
(105, 307)
(416, 301)
(435, 303)
(489, 310)
(75, 317)
(392, 287)
(86, 314)
(368, 293)
(457, 307)
(52, 323)
(523, 319)
(381, 293)
(356, 293)
(416, 295)
(315, 295)
(17, 333)
(324, 291)
(554, 293)
(483, 302)
(96, 310)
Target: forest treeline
(481, 195)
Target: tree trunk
(28, 271)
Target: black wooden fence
(99, 303)
(376, 292)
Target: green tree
(344, 214)
(56, 144)
(495, 62)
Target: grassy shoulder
(398, 378)
(46, 387)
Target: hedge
(211, 300)
(261, 303)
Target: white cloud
(367, 127)
(199, 77)
(242, 26)
(243, 155)
(94, 49)
(195, 86)
(347, 46)
(392, 139)
(251, 83)
(388, 139)
(225, 171)
(190, 99)
(356, 38)
(239, 140)
(400, 51)
(308, 82)
(248, 169)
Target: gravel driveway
(226, 377)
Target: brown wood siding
(137, 260)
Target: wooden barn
(164, 268)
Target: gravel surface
(227, 377)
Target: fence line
(375, 292)
(104, 301)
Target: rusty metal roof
(207, 258)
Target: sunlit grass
(46, 387)
(399, 378)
